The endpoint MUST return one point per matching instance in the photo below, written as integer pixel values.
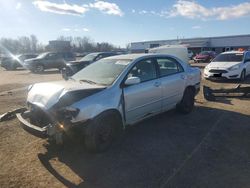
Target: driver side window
(99, 57)
(52, 56)
(247, 56)
(145, 70)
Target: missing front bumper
(237, 92)
(53, 131)
(32, 129)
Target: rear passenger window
(169, 66)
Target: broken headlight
(235, 67)
(68, 113)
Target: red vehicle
(205, 56)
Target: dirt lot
(208, 148)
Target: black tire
(243, 75)
(11, 67)
(187, 103)
(102, 132)
(39, 68)
(7, 68)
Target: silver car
(105, 97)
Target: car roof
(133, 56)
(97, 53)
(234, 52)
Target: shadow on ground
(156, 149)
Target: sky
(124, 21)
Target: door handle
(157, 84)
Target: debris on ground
(237, 92)
(11, 114)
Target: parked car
(230, 65)
(107, 96)
(48, 60)
(205, 56)
(12, 62)
(73, 67)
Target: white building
(217, 44)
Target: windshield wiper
(88, 81)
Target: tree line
(30, 44)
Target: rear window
(229, 57)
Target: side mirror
(132, 81)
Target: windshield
(89, 57)
(103, 72)
(233, 57)
(42, 55)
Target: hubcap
(39, 68)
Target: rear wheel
(187, 103)
(102, 132)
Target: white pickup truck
(107, 96)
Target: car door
(143, 99)
(59, 60)
(173, 81)
(50, 60)
(247, 63)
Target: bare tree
(29, 44)
(34, 42)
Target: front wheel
(11, 67)
(38, 68)
(102, 132)
(187, 103)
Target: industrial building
(196, 45)
(59, 46)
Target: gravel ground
(207, 148)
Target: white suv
(230, 65)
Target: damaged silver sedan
(108, 95)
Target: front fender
(94, 105)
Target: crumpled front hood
(219, 65)
(46, 95)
